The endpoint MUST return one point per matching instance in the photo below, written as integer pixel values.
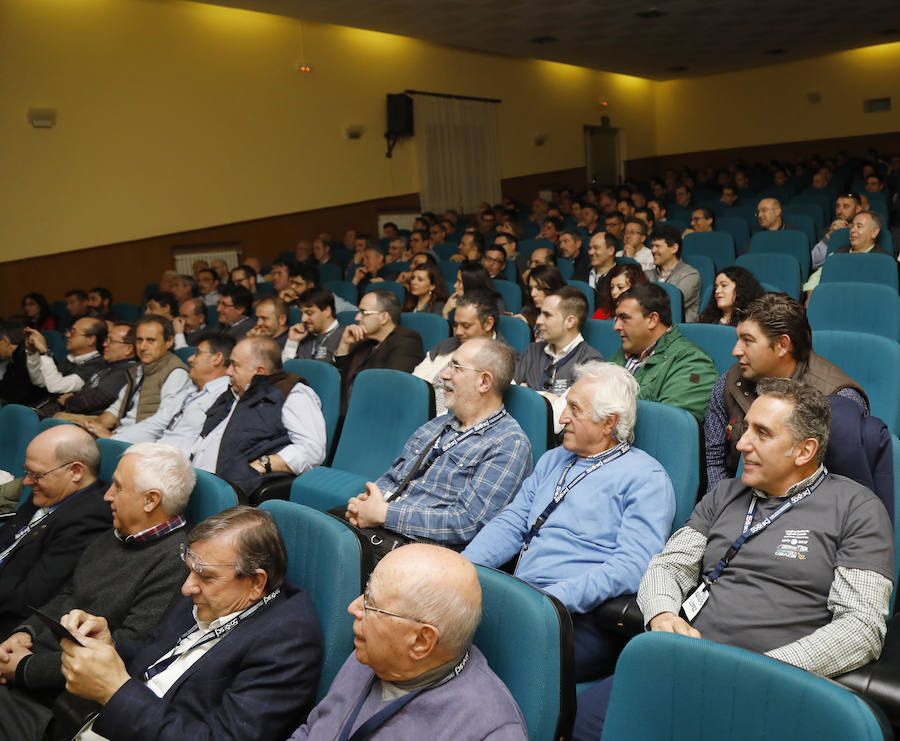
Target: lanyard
(483, 425)
(607, 456)
(366, 729)
(166, 661)
(750, 530)
(19, 537)
(555, 365)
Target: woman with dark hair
(472, 276)
(619, 280)
(427, 290)
(735, 288)
(542, 280)
(37, 311)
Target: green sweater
(678, 373)
(131, 585)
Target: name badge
(693, 604)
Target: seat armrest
(273, 488)
(620, 615)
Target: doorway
(602, 155)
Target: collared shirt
(560, 354)
(301, 416)
(464, 487)
(633, 362)
(178, 426)
(594, 279)
(181, 341)
(211, 298)
(176, 386)
(155, 532)
(290, 347)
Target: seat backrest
(534, 415)
(210, 496)
(446, 250)
(787, 242)
(386, 407)
(676, 300)
(387, 285)
(717, 340)
(864, 268)
(324, 557)
(854, 306)
(705, 690)
(895, 444)
(656, 427)
(326, 382)
(330, 271)
(18, 425)
(527, 246)
(511, 293)
(185, 352)
(804, 222)
(526, 636)
(432, 328)
(735, 226)
(110, 453)
(516, 332)
(345, 289)
(566, 268)
(449, 270)
(717, 246)
(707, 269)
(212, 316)
(872, 362)
(813, 211)
(56, 343)
(586, 289)
(125, 311)
(600, 335)
(779, 270)
(839, 238)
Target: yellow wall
(177, 115)
(768, 104)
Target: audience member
(669, 368)
(185, 288)
(305, 277)
(37, 312)
(670, 268)
(208, 285)
(634, 244)
(76, 305)
(234, 307)
(319, 334)
(372, 270)
(427, 290)
(494, 259)
(190, 324)
(15, 383)
(100, 301)
(84, 341)
(864, 230)
(598, 537)
(846, 207)
(602, 256)
(271, 320)
(619, 279)
(734, 289)
(471, 276)
(162, 303)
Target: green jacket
(678, 373)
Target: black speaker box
(399, 115)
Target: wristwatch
(264, 460)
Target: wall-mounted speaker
(399, 115)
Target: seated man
(376, 341)
(670, 268)
(846, 207)
(271, 320)
(774, 340)
(548, 365)
(158, 382)
(77, 305)
(302, 278)
(244, 276)
(669, 368)
(180, 426)
(634, 238)
(372, 270)
(162, 303)
(612, 510)
(407, 643)
(41, 543)
(184, 288)
(234, 307)
(190, 324)
(238, 657)
(267, 421)
(126, 575)
(476, 316)
(864, 230)
(100, 301)
(818, 553)
(318, 335)
(104, 386)
(602, 255)
(477, 456)
(494, 261)
(769, 216)
(208, 285)
(570, 249)
(16, 386)
(84, 342)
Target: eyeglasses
(38, 476)
(368, 312)
(369, 608)
(195, 563)
(457, 367)
(223, 305)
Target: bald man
(41, 543)
(414, 673)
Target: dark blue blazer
(38, 569)
(258, 682)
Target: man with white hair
(415, 672)
(129, 575)
(592, 514)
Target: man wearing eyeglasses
(84, 341)
(234, 307)
(846, 207)
(40, 545)
(238, 657)
(415, 673)
(128, 575)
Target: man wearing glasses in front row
(41, 543)
(238, 657)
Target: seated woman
(621, 278)
(37, 312)
(542, 279)
(735, 288)
(472, 276)
(427, 290)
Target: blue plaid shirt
(464, 487)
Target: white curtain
(457, 146)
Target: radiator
(184, 261)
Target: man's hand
(35, 341)
(837, 224)
(352, 333)
(368, 509)
(287, 295)
(80, 623)
(669, 622)
(63, 398)
(12, 650)
(276, 463)
(458, 257)
(403, 278)
(178, 325)
(360, 273)
(297, 333)
(95, 428)
(93, 671)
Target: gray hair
(617, 394)
(811, 415)
(79, 446)
(258, 542)
(166, 469)
(496, 358)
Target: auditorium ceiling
(658, 39)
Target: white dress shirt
(43, 372)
